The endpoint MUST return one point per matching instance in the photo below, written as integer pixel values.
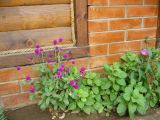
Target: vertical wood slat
(158, 28)
(81, 19)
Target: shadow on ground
(34, 113)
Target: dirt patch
(34, 113)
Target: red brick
(100, 61)
(124, 47)
(8, 88)
(141, 34)
(106, 12)
(152, 2)
(150, 43)
(98, 2)
(106, 37)
(17, 100)
(150, 22)
(98, 50)
(12, 74)
(98, 26)
(134, 11)
(125, 2)
(125, 24)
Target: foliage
(134, 82)
(130, 86)
(2, 116)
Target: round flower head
(37, 46)
(28, 77)
(67, 70)
(70, 51)
(65, 56)
(144, 52)
(32, 88)
(18, 68)
(72, 83)
(55, 42)
(82, 69)
(60, 39)
(37, 51)
(73, 62)
(76, 86)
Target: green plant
(88, 96)
(2, 116)
(134, 82)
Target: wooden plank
(158, 28)
(8, 3)
(81, 16)
(28, 38)
(15, 60)
(34, 17)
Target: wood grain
(15, 60)
(28, 38)
(8, 3)
(81, 16)
(34, 17)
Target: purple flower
(58, 73)
(65, 56)
(49, 60)
(76, 86)
(73, 62)
(37, 51)
(60, 39)
(28, 77)
(144, 52)
(82, 69)
(18, 68)
(37, 46)
(62, 65)
(70, 51)
(72, 83)
(32, 89)
(60, 76)
(55, 42)
(57, 48)
(50, 55)
(67, 70)
(77, 80)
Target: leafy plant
(2, 116)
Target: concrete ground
(34, 113)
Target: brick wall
(115, 26)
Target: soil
(34, 113)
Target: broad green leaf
(95, 90)
(121, 109)
(72, 106)
(80, 104)
(121, 82)
(132, 109)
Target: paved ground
(34, 113)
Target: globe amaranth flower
(76, 86)
(32, 88)
(38, 51)
(144, 52)
(60, 39)
(37, 46)
(82, 69)
(49, 60)
(60, 76)
(67, 70)
(28, 77)
(70, 51)
(65, 56)
(18, 68)
(73, 62)
(72, 83)
(55, 42)
(50, 55)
